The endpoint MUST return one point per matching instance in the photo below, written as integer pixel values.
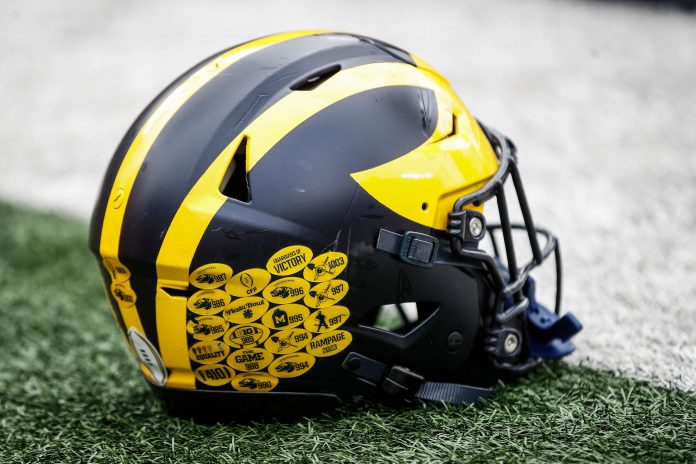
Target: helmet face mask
(254, 224)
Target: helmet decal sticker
(326, 294)
(247, 283)
(292, 365)
(214, 375)
(267, 324)
(250, 359)
(327, 319)
(209, 352)
(124, 294)
(325, 267)
(208, 302)
(118, 272)
(207, 327)
(245, 310)
(289, 260)
(211, 276)
(285, 316)
(287, 290)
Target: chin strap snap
(404, 383)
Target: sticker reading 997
(212, 275)
(326, 294)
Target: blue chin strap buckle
(549, 333)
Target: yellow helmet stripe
(204, 200)
(143, 141)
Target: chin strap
(404, 383)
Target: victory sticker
(327, 319)
(208, 302)
(207, 327)
(286, 290)
(245, 309)
(287, 341)
(330, 343)
(117, 271)
(285, 316)
(214, 375)
(247, 335)
(247, 283)
(289, 260)
(326, 294)
(124, 294)
(211, 276)
(250, 359)
(255, 382)
(210, 352)
(325, 267)
(292, 365)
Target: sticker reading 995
(209, 352)
(255, 382)
(247, 283)
(211, 276)
(287, 290)
(330, 343)
(292, 365)
(285, 316)
(326, 294)
(214, 375)
(325, 267)
(246, 335)
(208, 302)
(289, 260)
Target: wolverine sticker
(209, 352)
(327, 319)
(255, 382)
(117, 271)
(211, 276)
(247, 335)
(214, 375)
(208, 302)
(207, 327)
(247, 283)
(250, 359)
(326, 294)
(285, 316)
(289, 260)
(325, 267)
(287, 290)
(287, 341)
(124, 294)
(330, 343)
(292, 365)
(245, 309)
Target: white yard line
(600, 99)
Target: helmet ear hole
(400, 318)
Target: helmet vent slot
(235, 184)
(314, 80)
(400, 318)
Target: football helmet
(300, 219)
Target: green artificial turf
(69, 392)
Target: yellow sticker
(246, 335)
(287, 290)
(250, 359)
(249, 282)
(207, 327)
(289, 260)
(208, 302)
(288, 341)
(214, 375)
(292, 365)
(285, 316)
(212, 275)
(325, 267)
(326, 294)
(117, 270)
(327, 319)
(209, 352)
(245, 310)
(255, 382)
(330, 343)
(124, 294)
